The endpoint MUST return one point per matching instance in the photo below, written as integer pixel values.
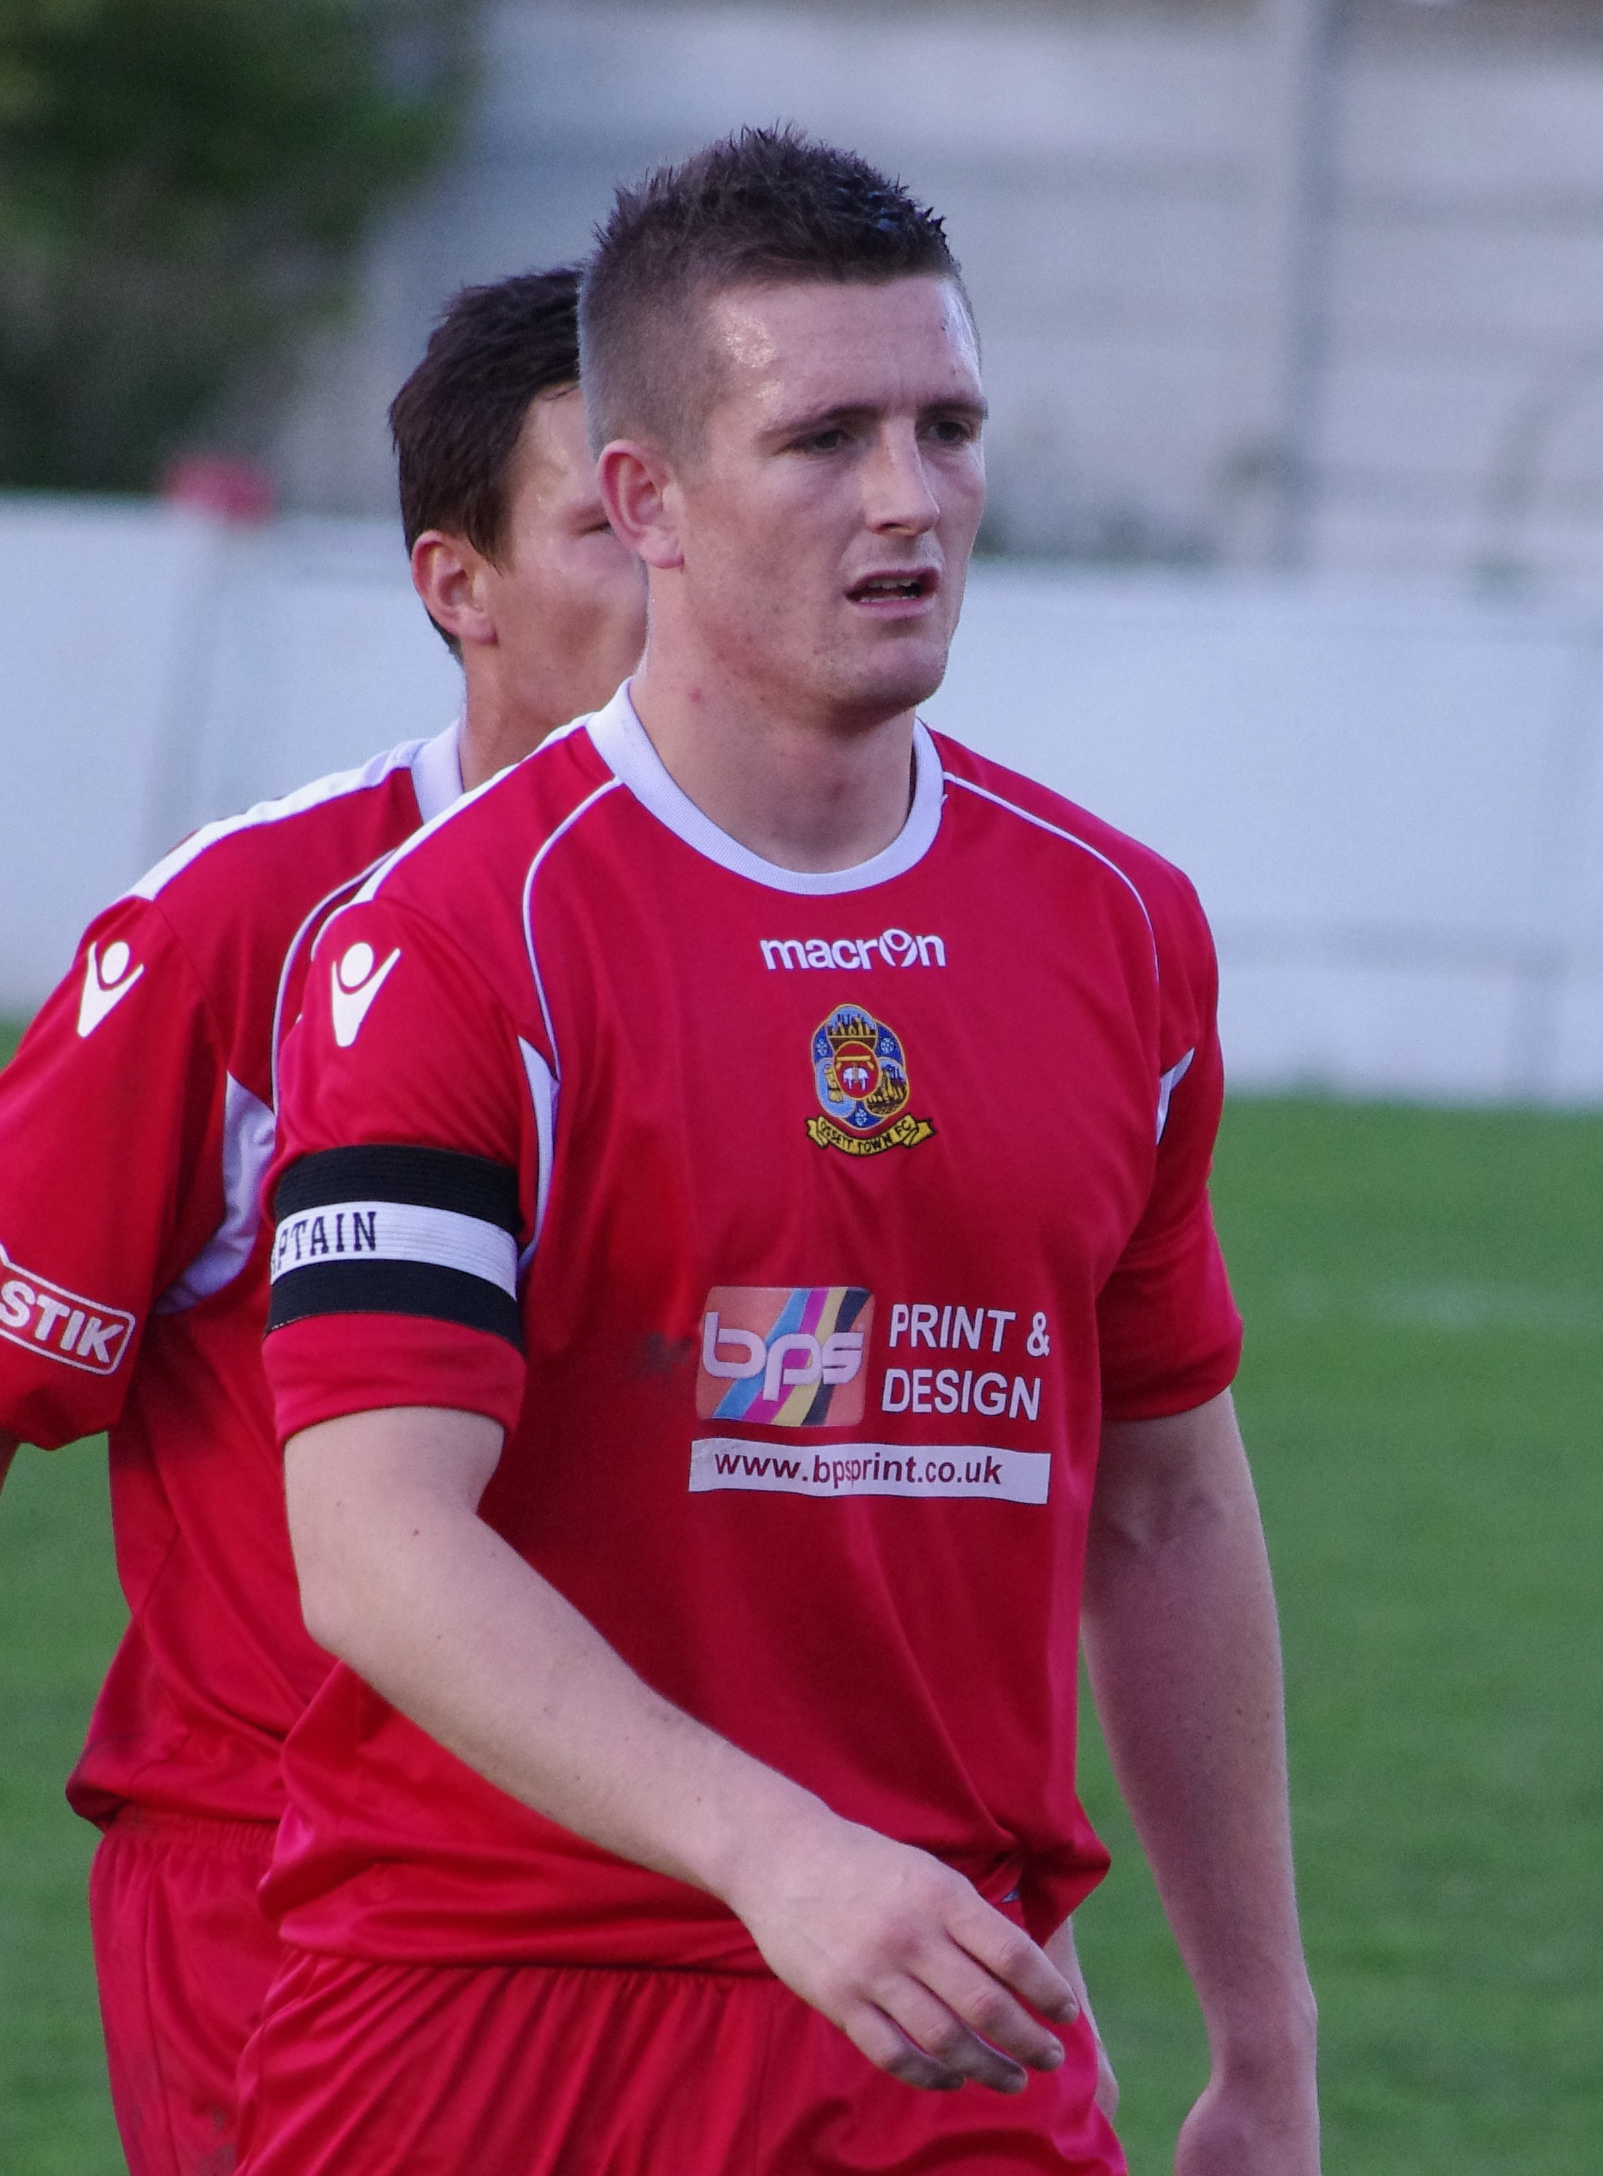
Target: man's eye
(953, 431)
(829, 441)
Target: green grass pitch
(1422, 1394)
(1423, 1397)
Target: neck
(805, 791)
(495, 732)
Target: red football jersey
(136, 1125)
(800, 1229)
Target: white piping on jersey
(626, 748)
(437, 772)
(369, 891)
(589, 802)
(437, 781)
(543, 1095)
(1026, 816)
(248, 1138)
(273, 812)
(249, 1129)
(1168, 1083)
(292, 953)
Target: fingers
(942, 2018)
(948, 2007)
(979, 2002)
(951, 2040)
(882, 2040)
(931, 1983)
(927, 2046)
(1008, 1955)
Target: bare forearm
(1183, 1648)
(443, 1618)
(402, 1580)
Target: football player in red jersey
(135, 1125)
(744, 1293)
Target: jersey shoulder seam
(220, 1055)
(554, 838)
(425, 832)
(318, 793)
(214, 1025)
(1070, 838)
(409, 910)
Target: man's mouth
(894, 588)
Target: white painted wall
(1391, 799)
(157, 670)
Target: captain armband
(382, 1230)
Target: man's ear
(642, 501)
(448, 574)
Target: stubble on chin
(881, 686)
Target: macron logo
(106, 982)
(896, 947)
(353, 985)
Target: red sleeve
(111, 1171)
(404, 1185)
(1168, 1328)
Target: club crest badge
(860, 1072)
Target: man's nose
(897, 486)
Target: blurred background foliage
(183, 188)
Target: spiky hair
(766, 205)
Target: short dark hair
(765, 205)
(457, 420)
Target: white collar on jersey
(437, 773)
(625, 747)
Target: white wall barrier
(158, 670)
(1391, 800)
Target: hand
(1264, 2125)
(905, 1956)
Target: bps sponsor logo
(46, 1318)
(860, 1073)
(784, 1356)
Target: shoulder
(484, 848)
(230, 903)
(1166, 896)
(292, 841)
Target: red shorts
(526, 2070)
(184, 1958)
